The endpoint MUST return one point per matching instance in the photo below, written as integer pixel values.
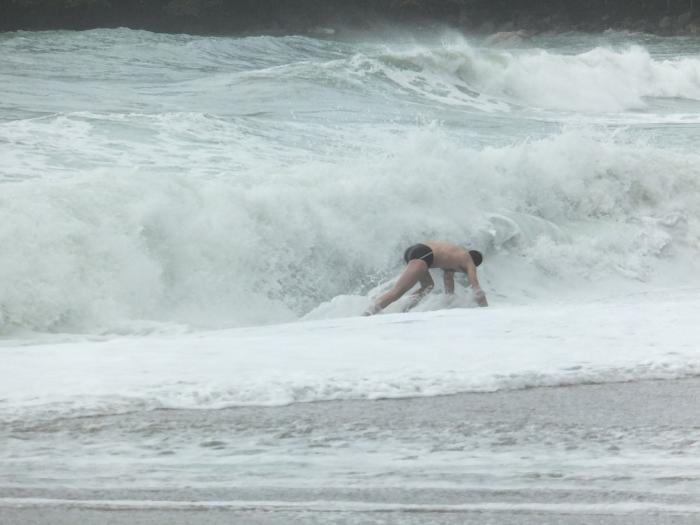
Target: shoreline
(614, 423)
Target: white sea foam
(188, 182)
(96, 248)
(418, 354)
(598, 80)
(568, 509)
(160, 192)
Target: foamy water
(392, 356)
(197, 223)
(218, 182)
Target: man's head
(476, 257)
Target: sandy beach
(639, 431)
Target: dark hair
(476, 257)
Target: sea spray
(216, 182)
(599, 80)
(111, 245)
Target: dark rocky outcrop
(319, 16)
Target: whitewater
(191, 225)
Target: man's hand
(480, 297)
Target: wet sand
(657, 421)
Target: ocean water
(220, 182)
(196, 224)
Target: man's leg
(410, 276)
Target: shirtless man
(450, 258)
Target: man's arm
(470, 269)
(448, 278)
(426, 285)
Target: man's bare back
(448, 256)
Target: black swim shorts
(419, 251)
